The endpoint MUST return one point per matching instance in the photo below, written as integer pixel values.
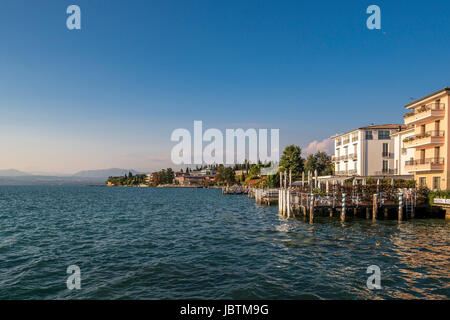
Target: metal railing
(427, 134)
(386, 172)
(431, 106)
(432, 161)
(386, 154)
(436, 133)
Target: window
(385, 150)
(385, 166)
(436, 183)
(369, 135)
(437, 125)
(422, 182)
(437, 153)
(384, 135)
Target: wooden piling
(375, 206)
(311, 208)
(343, 210)
(367, 213)
(400, 206)
(279, 201)
(386, 212)
(288, 203)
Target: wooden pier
(344, 200)
(234, 190)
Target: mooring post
(279, 201)
(400, 206)
(386, 212)
(375, 206)
(311, 208)
(367, 213)
(355, 211)
(447, 214)
(288, 202)
(344, 198)
(333, 205)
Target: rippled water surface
(140, 243)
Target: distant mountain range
(104, 173)
(12, 173)
(16, 177)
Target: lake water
(141, 243)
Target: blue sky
(110, 95)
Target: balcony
(386, 172)
(338, 142)
(353, 156)
(427, 139)
(429, 164)
(387, 154)
(341, 173)
(426, 113)
(352, 172)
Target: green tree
(320, 162)
(273, 181)
(255, 170)
(169, 176)
(291, 159)
(229, 175)
(162, 177)
(220, 174)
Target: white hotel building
(370, 151)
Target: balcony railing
(346, 140)
(424, 112)
(338, 142)
(386, 172)
(429, 137)
(429, 107)
(352, 172)
(431, 161)
(352, 156)
(386, 154)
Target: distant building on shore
(366, 151)
(430, 118)
(152, 178)
(402, 154)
